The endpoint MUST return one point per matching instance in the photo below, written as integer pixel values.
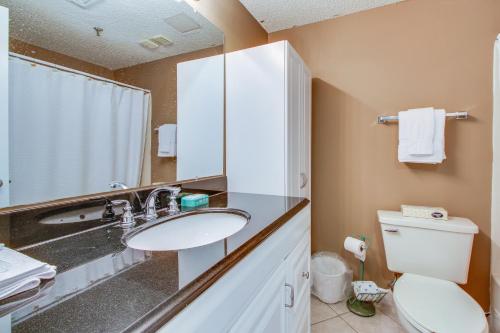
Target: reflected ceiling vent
(84, 3)
(155, 42)
(182, 23)
(161, 40)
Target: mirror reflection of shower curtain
(71, 135)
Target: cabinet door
(255, 120)
(266, 312)
(297, 278)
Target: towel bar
(456, 115)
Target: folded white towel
(19, 273)
(167, 140)
(414, 132)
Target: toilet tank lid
(454, 224)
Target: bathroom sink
(187, 230)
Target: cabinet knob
(306, 275)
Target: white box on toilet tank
(439, 249)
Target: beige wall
(413, 54)
(58, 58)
(240, 29)
(161, 78)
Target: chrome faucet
(173, 208)
(127, 217)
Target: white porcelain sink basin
(187, 230)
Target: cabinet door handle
(1, 183)
(292, 296)
(306, 275)
(392, 230)
(304, 180)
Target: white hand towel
(167, 140)
(19, 273)
(437, 155)
(416, 131)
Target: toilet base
(363, 309)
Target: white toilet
(433, 256)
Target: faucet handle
(173, 208)
(127, 217)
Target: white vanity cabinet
(267, 291)
(268, 126)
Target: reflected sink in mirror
(187, 230)
(74, 216)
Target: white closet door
(4, 107)
(255, 120)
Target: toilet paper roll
(356, 246)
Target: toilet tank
(434, 248)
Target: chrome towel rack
(456, 115)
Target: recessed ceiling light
(182, 23)
(84, 3)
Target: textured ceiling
(63, 27)
(275, 15)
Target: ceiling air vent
(155, 42)
(182, 23)
(149, 44)
(161, 40)
(84, 3)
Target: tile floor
(336, 318)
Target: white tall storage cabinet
(268, 121)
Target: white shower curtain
(71, 135)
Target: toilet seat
(434, 305)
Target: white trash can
(331, 277)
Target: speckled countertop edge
(165, 311)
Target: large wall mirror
(106, 94)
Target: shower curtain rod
(74, 71)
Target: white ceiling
(283, 14)
(64, 27)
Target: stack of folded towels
(421, 136)
(19, 273)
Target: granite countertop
(104, 286)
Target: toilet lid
(438, 305)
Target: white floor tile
(320, 311)
(388, 307)
(376, 324)
(339, 307)
(334, 325)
